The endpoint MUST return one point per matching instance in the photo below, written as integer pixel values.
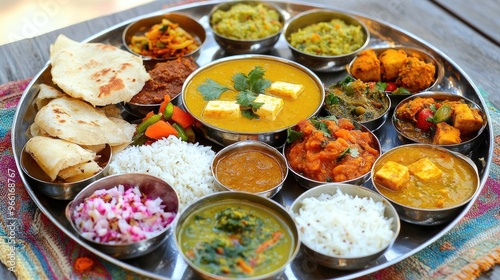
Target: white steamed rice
(343, 225)
(185, 166)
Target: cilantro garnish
(249, 87)
(211, 90)
(293, 135)
(352, 151)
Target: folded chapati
(45, 94)
(79, 122)
(80, 171)
(54, 155)
(98, 73)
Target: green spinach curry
(356, 100)
(235, 239)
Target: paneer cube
(392, 175)
(286, 90)
(271, 107)
(425, 170)
(446, 134)
(222, 109)
(466, 119)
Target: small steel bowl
(139, 27)
(320, 63)
(58, 189)
(466, 146)
(241, 46)
(372, 124)
(410, 51)
(309, 183)
(151, 186)
(275, 136)
(240, 198)
(251, 166)
(420, 215)
(338, 261)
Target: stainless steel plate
(164, 262)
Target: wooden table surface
(466, 31)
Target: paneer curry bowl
(440, 118)
(427, 185)
(254, 97)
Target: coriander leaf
(345, 81)
(245, 98)
(211, 90)
(260, 85)
(292, 135)
(249, 114)
(352, 151)
(255, 75)
(380, 86)
(332, 99)
(321, 126)
(240, 82)
(401, 90)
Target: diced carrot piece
(163, 104)
(181, 117)
(82, 264)
(246, 268)
(160, 129)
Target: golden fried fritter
(416, 75)
(366, 67)
(391, 61)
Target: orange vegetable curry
(332, 150)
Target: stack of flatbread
(68, 132)
(71, 126)
(98, 73)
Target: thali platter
(164, 262)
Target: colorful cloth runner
(34, 248)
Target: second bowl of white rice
(345, 226)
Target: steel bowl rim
(251, 2)
(161, 16)
(318, 183)
(69, 207)
(267, 149)
(379, 49)
(281, 213)
(367, 193)
(433, 94)
(334, 13)
(310, 73)
(429, 146)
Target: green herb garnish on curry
(235, 240)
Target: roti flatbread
(97, 73)
(53, 155)
(45, 94)
(78, 122)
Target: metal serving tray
(165, 262)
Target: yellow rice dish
(246, 22)
(328, 38)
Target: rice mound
(185, 166)
(342, 225)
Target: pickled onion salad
(119, 216)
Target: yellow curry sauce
(307, 103)
(235, 239)
(249, 170)
(458, 180)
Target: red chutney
(346, 154)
